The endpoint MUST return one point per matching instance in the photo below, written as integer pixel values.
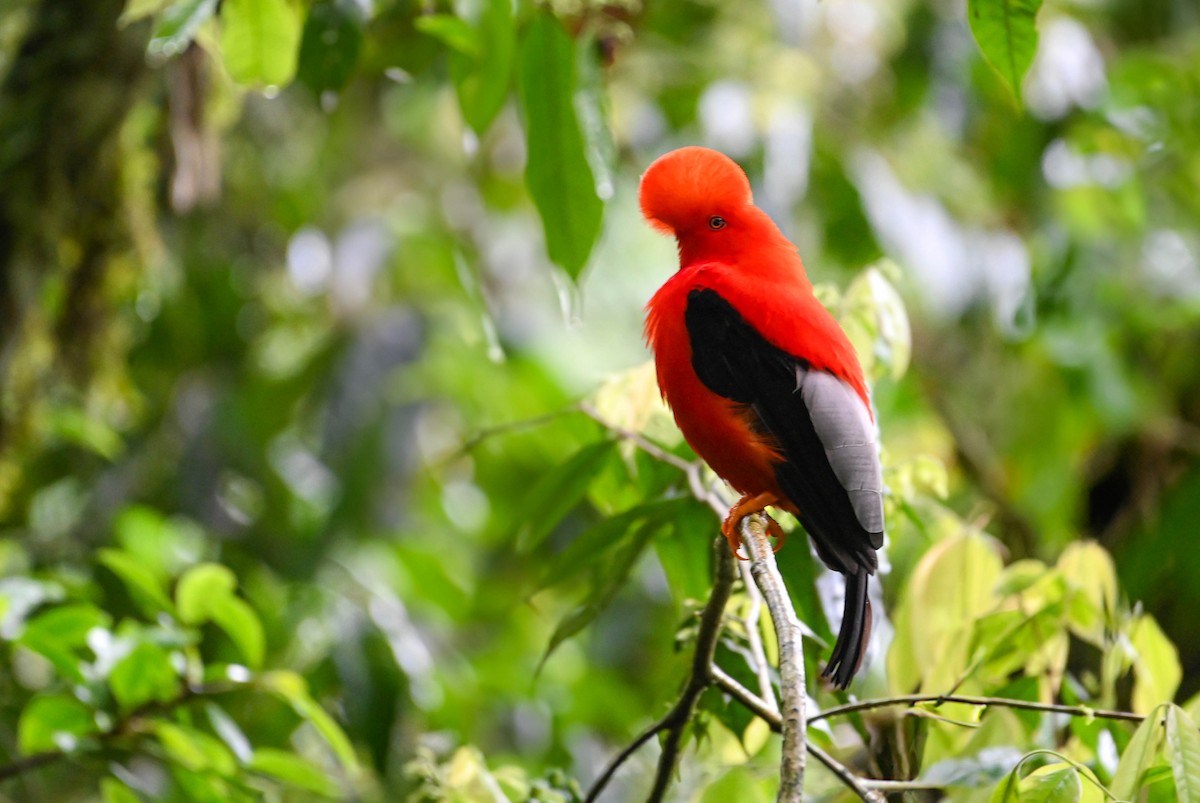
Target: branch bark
(674, 723)
(791, 657)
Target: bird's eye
(716, 223)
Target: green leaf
(145, 674)
(56, 633)
(594, 543)
(145, 587)
(294, 691)
(178, 26)
(259, 39)
(113, 791)
(1139, 756)
(53, 722)
(482, 77)
(557, 171)
(228, 730)
(558, 492)
(950, 588)
(1183, 754)
(1006, 32)
(1054, 783)
(73, 425)
(1090, 571)
(1156, 668)
(610, 578)
(194, 750)
(292, 770)
(330, 45)
(239, 621)
(452, 31)
(206, 593)
(200, 587)
(684, 551)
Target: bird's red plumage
(742, 297)
(758, 271)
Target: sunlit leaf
(201, 586)
(194, 750)
(56, 633)
(557, 171)
(1089, 568)
(1156, 668)
(113, 791)
(1139, 756)
(1054, 783)
(239, 621)
(259, 40)
(294, 691)
(1182, 741)
(53, 722)
(292, 770)
(1006, 32)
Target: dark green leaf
(482, 77)
(146, 588)
(330, 44)
(610, 578)
(558, 492)
(53, 722)
(685, 549)
(1006, 31)
(259, 39)
(557, 171)
(596, 542)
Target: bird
(762, 381)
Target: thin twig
(645, 444)
(791, 656)
(1001, 702)
(758, 706)
(675, 721)
(754, 636)
(123, 727)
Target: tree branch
(1003, 702)
(675, 721)
(791, 656)
(759, 707)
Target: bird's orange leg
(741, 509)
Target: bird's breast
(726, 434)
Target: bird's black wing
(830, 463)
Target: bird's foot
(746, 506)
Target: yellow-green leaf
(259, 41)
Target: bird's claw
(747, 506)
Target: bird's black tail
(855, 632)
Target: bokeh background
(298, 316)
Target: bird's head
(702, 198)
(683, 190)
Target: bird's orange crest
(685, 187)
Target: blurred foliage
(299, 298)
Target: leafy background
(300, 300)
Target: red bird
(764, 384)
